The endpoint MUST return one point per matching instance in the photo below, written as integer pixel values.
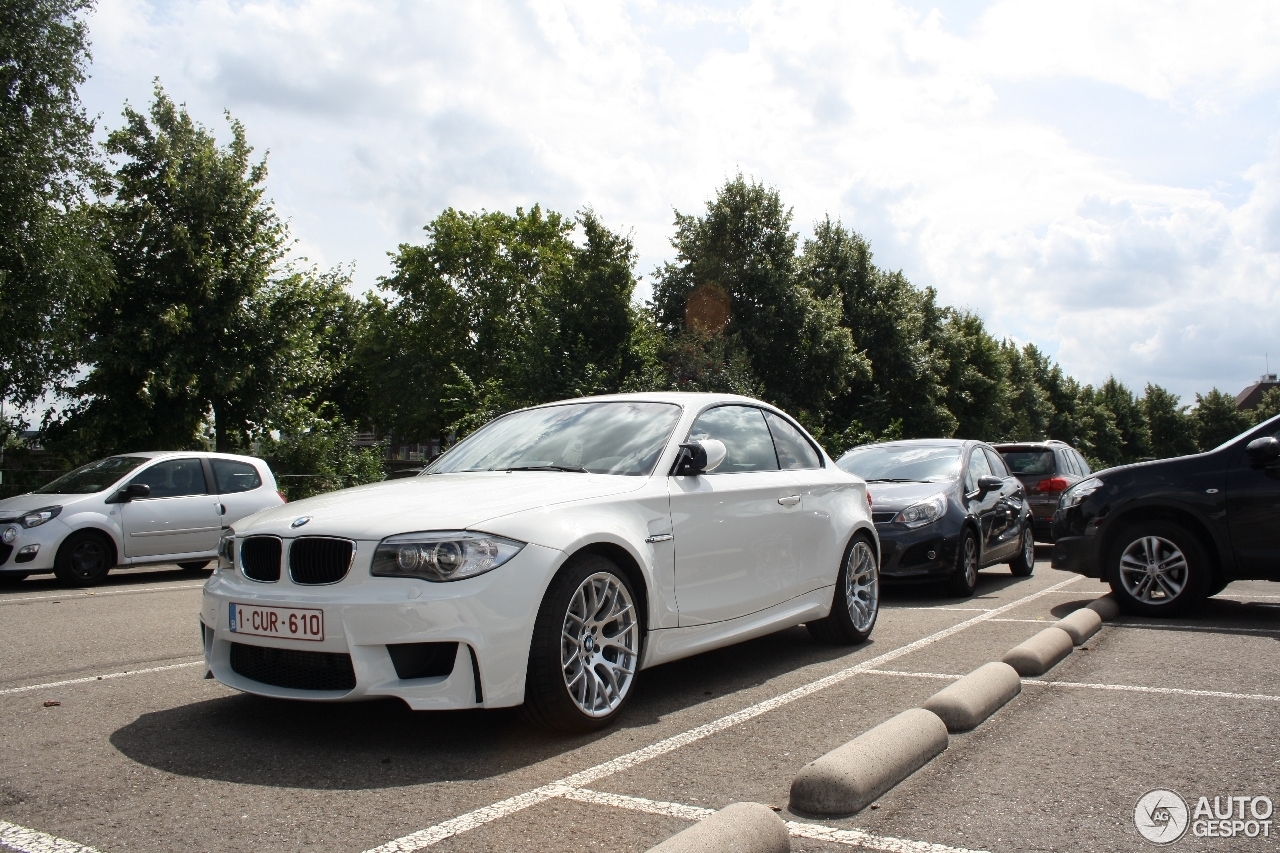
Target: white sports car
(548, 558)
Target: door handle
(789, 500)
(222, 509)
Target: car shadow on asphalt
(381, 744)
(991, 580)
(121, 579)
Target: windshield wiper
(549, 468)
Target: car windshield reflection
(887, 463)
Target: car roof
(682, 398)
(919, 442)
(1040, 445)
(199, 454)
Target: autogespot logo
(1161, 816)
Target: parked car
(944, 508)
(1168, 534)
(131, 510)
(1046, 469)
(546, 559)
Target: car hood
(896, 496)
(18, 504)
(432, 502)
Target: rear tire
(1157, 568)
(855, 601)
(84, 559)
(586, 649)
(964, 580)
(194, 565)
(1025, 562)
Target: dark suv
(1168, 534)
(1046, 469)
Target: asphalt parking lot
(113, 741)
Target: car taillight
(1053, 484)
(283, 499)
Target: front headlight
(37, 517)
(1081, 490)
(925, 512)
(226, 549)
(442, 555)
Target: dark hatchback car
(1046, 469)
(944, 508)
(1168, 534)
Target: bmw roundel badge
(298, 522)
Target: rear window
(1030, 462)
(232, 476)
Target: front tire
(856, 600)
(964, 580)
(84, 559)
(586, 647)
(1157, 568)
(1025, 562)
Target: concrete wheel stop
(964, 704)
(736, 828)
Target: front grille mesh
(294, 668)
(260, 558)
(319, 560)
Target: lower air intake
(293, 668)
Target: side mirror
(130, 492)
(1263, 451)
(989, 484)
(699, 457)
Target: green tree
(204, 327)
(893, 323)
(1268, 407)
(1217, 420)
(314, 455)
(744, 251)
(1130, 421)
(1172, 431)
(51, 270)
(975, 377)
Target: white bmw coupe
(548, 558)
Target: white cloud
(380, 114)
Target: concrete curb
(964, 704)
(1081, 625)
(1107, 607)
(736, 828)
(851, 777)
(1039, 654)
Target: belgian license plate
(286, 623)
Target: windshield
(597, 438)
(1029, 462)
(903, 463)
(93, 477)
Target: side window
(978, 468)
(232, 476)
(1066, 463)
(1085, 471)
(995, 463)
(174, 478)
(744, 433)
(794, 450)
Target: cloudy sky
(1099, 178)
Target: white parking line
(77, 596)
(90, 678)
(853, 837)
(479, 817)
(25, 840)
(1129, 688)
(1174, 691)
(937, 609)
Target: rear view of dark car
(1046, 469)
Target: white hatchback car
(548, 558)
(139, 508)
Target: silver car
(129, 510)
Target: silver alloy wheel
(599, 644)
(1153, 570)
(862, 586)
(1028, 547)
(971, 560)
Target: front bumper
(1077, 554)
(905, 553)
(45, 539)
(489, 617)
